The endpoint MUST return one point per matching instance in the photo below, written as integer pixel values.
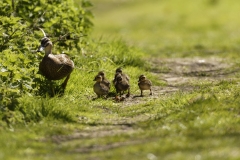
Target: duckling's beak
(41, 48)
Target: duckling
(100, 88)
(121, 84)
(104, 79)
(54, 67)
(144, 84)
(119, 71)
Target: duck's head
(119, 78)
(142, 78)
(98, 78)
(101, 73)
(119, 70)
(45, 43)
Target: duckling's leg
(120, 93)
(141, 93)
(151, 92)
(128, 94)
(64, 84)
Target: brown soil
(180, 73)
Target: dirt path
(181, 73)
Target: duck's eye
(46, 44)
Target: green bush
(66, 23)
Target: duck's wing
(63, 59)
(126, 77)
(148, 82)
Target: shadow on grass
(48, 88)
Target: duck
(54, 67)
(144, 84)
(121, 84)
(104, 79)
(100, 87)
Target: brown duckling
(100, 88)
(121, 84)
(144, 84)
(54, 67)
(119, 71)
(104, 79)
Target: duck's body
(56, 67)
(144, 84)
(100, 88)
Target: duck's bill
(41, 48)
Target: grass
(172, 28)
(194, 119)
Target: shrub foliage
(64, 21)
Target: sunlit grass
(173, 28)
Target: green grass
(172, 28)
(201, 123)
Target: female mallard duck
(144, 84)
(100, 87)
(54, 67)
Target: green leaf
(37, 9)
(5, 74)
